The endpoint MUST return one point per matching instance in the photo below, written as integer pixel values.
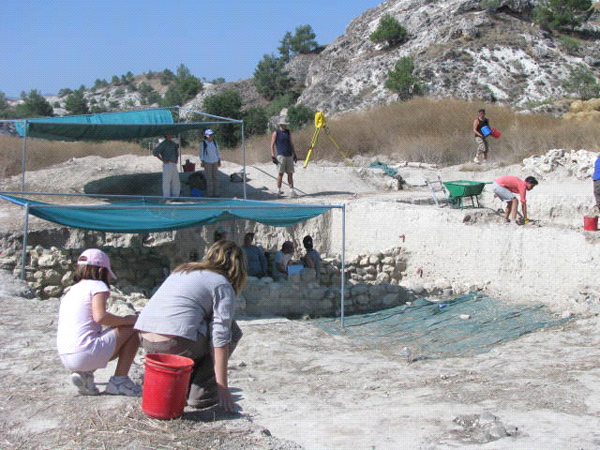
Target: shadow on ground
(150, 184)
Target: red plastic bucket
(166, 382)
(189, 167)
(495, 133)
(590, 223)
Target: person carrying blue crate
(481, 128)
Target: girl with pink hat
(89, 336)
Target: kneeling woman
(191, 314)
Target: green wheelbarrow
(461, 189)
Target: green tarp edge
(145, 216)
(108, 126)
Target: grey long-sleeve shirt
(190, 304)
(168, 151)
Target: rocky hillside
(460, 49)
(487, 50)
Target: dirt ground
(299, 387)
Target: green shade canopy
(145, 216)
(109, 126)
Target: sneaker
(280, 192)
(293, 193)
(85, 383)
(123, 386)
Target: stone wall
(372, 281)
(50, 271)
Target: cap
(282, 121)
(95, 257)
(208, 132)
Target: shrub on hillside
(283, 101)
(270, 77)
(402, 80)
(300, 115)
(255, 121)
(34, 105)
(225, 104)
(76, 103)
(583, 83)
(562, 15)
(389, 31)
(302, 42)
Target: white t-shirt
(76, 327)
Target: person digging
(507, 188)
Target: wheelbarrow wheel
(454, 202)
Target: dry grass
(43, 153)
(435, 131)
(422, 130)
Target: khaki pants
(202, 391)
(211, 172)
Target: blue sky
(53, 44)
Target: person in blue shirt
(211, 161)
(255, 257)
(596, 179)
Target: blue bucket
(486, 131)
(196, 193)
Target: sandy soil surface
(297, 386)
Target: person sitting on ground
(255, 257)
(282, 259)
(83, 345)
(191, 314)
(312, 259)
(221, 234)
(506, 189)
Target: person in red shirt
(507, 188)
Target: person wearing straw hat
(210, 158)
(283, 155)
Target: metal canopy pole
(24, 251)
(23, 156)
(343, 258)
(244, 160)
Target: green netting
(436, 330)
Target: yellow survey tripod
(321, 124)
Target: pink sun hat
(95, 257)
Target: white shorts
(95, 357)
(504, 194)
